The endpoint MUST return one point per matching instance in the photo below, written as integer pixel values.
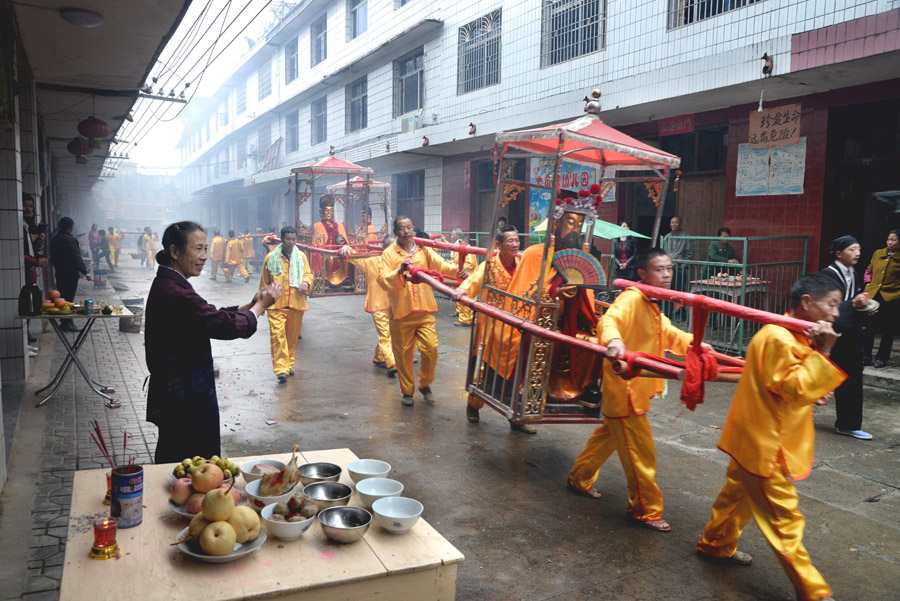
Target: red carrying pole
(457, 248)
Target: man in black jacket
(65, 254)
(847, 352)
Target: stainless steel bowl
(328, 494)
(319, 472)
(344, 524)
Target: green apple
(187, 462)
(214, 459)
(227, 473)
(218, 539)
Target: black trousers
(67, 284)
(885, 321)
(848, 397)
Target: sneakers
(460, 324)
(738, 559)
(858, 434)
(524, 428)
(472, 414)
(407, 400)
(426, 392)
(392, 372)
(282, 378)
(291, 373)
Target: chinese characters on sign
(778, 126)
(676, 125)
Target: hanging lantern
(93, 129)
(80, 148)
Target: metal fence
(761, 276)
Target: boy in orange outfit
(635, 323)
(769, 434)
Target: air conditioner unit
(411, 123)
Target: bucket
(132, 325)
(128, 495)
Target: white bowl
(372, 489)
(248, 465)
(257, 501)
(284, 530)
(397, 514)
(368, 468)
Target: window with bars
(478, 54)
(357, 104)
(240, 97)
(263, 141)
(319, 120)
(292, 131)
(409, 83)
(290, 61)
(359, 17)
(224, 168)
(685, 12)
(318, 40)
(240, 150)
(571, 28)
(265, 79)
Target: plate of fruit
(187, 466)
(222, 532)
(187, 494)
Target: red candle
(105, 532)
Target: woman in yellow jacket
(884, 288)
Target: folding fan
(578, 268)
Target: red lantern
(80, 148)
(94, 129)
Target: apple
(198, 523)
(245, 522)
(60, 302)
(54, 294)
(218, 539)
(207, 477)
(194, 504)
(218, 505)
(181, 491)
(238, 497)
(227, 474)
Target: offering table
(419, 565)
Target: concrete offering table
(417, 566)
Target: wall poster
(770, 171)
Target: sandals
(658, 525)
(592, 493)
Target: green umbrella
(603, 229)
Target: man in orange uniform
(216, 254)
(366, 231)
(377, 305)
(234, 258)
(412, 308)
(248, 252)
(115, 245)
(289, 267)
(328, 232)
(148, 244)
(633, 322)
(770, 436)
(496, 273)
(463, 312)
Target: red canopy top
(332, 165)
(358, 183)
(589, 140)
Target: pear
(198, 523)
(218, 539)
(218, 505)
(245, 522)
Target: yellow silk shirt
(291, 298)
(247, 249)
(885, 275)
(234, 252)
(770, 420)
(114, 241)
(376, 296)
(406, 298)
(499, 277)
(147, 242)
(638, 322)
(217, 249)
(470, 263)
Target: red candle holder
(107, 500)
(105, 545)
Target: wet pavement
(498, 496)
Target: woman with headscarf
(847, 351)
(182, 399)
(884, 287)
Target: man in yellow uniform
(497, 273)
(148, 244)
(115, 245)
(234, 258)
(216, 254)
(248, 252)
(633, 322)
(377, 305)
(289, 267)
(366, 231)
(770, 436)
(464, 313)
(412, 308)
(328, 232)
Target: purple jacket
(182, 399)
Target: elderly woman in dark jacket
(182, 397)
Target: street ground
(498, 496)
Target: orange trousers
(284, 329)
(383, 350)
(151, 258)
(772, 502)
(114, 256)
(464, 313)
(632, 439)
(416, 330)
(229, 271)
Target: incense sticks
(110, 455)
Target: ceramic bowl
(368, 468)
(284, 530)
(397, 514)
(372, 489)
(344, 524)
(327, 494)
(319, 472)
(248, 465)
(258, 501)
